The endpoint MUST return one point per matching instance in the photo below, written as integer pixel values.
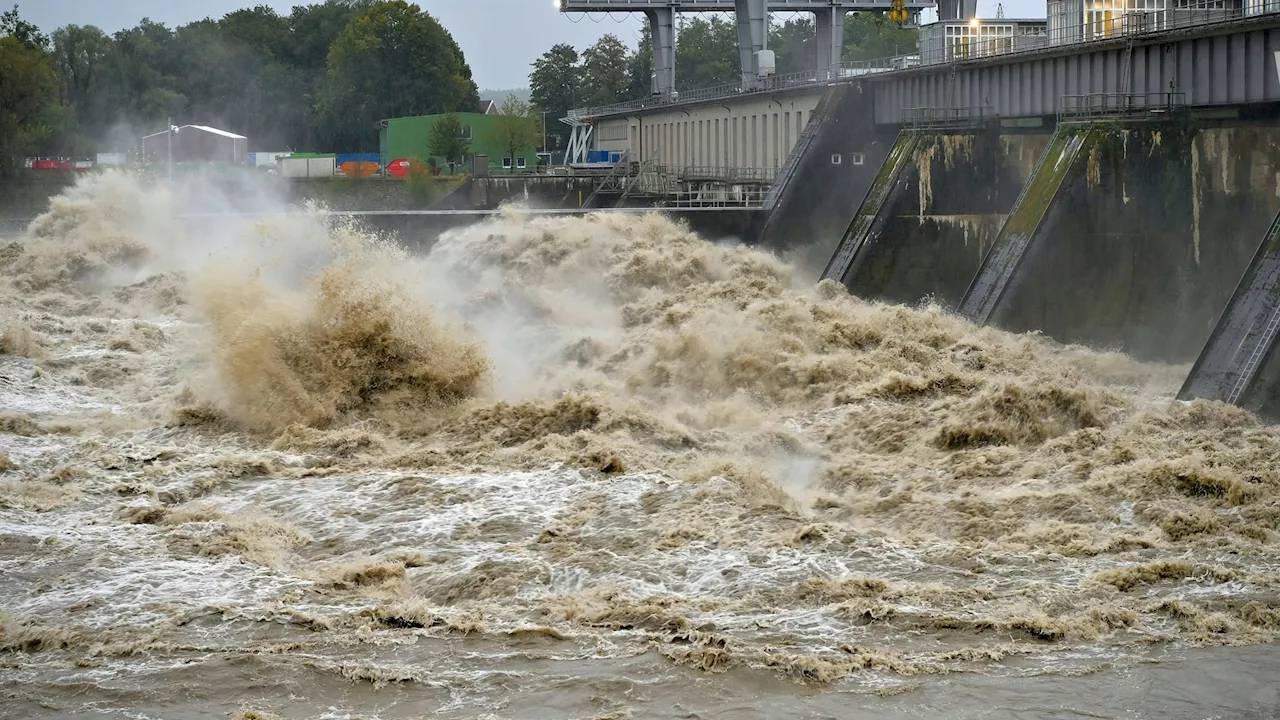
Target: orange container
(359, 169)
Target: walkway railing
(978, 46)
(944, 117)
(1098, 105)
(747, 175)
(747, 197)
(773, 83)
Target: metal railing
(983, 47)
(724, 5)
(615, 181)
(1059, 35)
(945, 117)
(1098, 105)
(740, 197)
(773, 83)
(747, 175)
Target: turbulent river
(590, 468)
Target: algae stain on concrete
(1217, 143)
(953, 146)
(924, 165)
(1195, 200)
(1093, 172)
(982, 228)
(1044, 184)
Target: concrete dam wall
(1126, 234)
(933, 212)
(1147, 238)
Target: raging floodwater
(590, 468)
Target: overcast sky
(500, 38)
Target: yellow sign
(898, 13)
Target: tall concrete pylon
(830, 25)
(753, 20)
(662, 23)
(753, 36)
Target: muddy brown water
(590, 468)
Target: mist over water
(585, 468)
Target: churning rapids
(586, 468)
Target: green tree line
(706, 56)
(316, 79)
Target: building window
(837, 159)
(1105, 18)
(859, 159)
(465, 131)
(968, 41)
(521, 163)
(506, 163)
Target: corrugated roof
(216, 131)
(205, 128)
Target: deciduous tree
(604, 72)
(392, 60)
(640, 69)
(554, 88)
(12, 25)
(707, 53)
(82, 56)
(448, 140)
(871, 35)
(795, 45)
(515, 130)
(28, 101)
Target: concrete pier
(933, 212)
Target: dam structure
(1106, 178)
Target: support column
(830, 24)
(662, 22)
(957, 9)
(753, 20)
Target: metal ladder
(1245, 333)
(951, 86)
(1255, 358)
(1265, 339)
(1126, 74)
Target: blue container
(357, 157)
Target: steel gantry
(752, 21)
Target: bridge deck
(728, 5)
(1226, 56)
(476, 213)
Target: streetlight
(172, 131)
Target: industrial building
(967, 39)
(196, 143)
(408, 138)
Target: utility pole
(169, 135)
